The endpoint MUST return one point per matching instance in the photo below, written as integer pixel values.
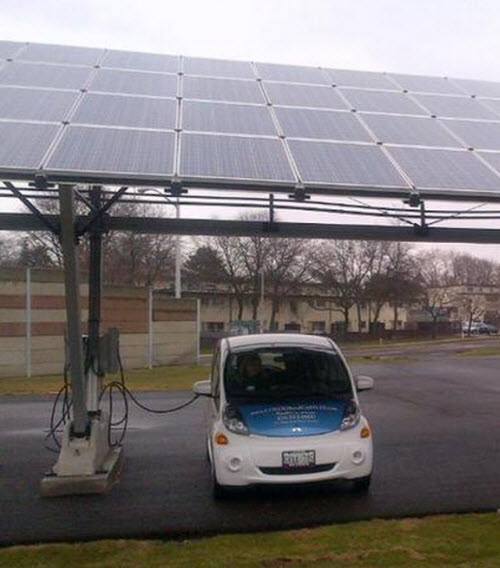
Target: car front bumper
(249, 460)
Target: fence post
(198, 330)
(28, 322)
(150, 326)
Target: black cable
(119, 385)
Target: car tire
(219, 491)
(362, 484)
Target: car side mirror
(364, 383)
(202, 388)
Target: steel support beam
(93, 376)
(73, 313)
(213, 227)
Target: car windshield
(283, 373)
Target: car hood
(293, 418)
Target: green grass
(179, 377)
(480, 352)
(440, 541)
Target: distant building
(309, 310)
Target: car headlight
(233, 421)
(351, 416)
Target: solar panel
(24, 144)
(421, 84)
(492, 158)
(93, 115)
(218, 68)
(292, 73)
(349, 164)
(455, 107)
(409, 130)
(61, 54)
(493, 104)
(363, 79)
(227, 90)
(114, 151)
(475, 134)
(325, 124)
(303, 95)
(42, 75)
(445, 169)
(35, 104)
(228, 118)
(141, 61)
(479, 88)
(9, 48)
(120, 110)
(234, 157)
(381, 101)
(134, 83)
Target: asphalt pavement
(437, 450)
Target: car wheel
(362, 484)
(219, 491)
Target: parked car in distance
(480, 328)
(283, 408)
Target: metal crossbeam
(213, 227)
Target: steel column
(73, 313)
(94, 318)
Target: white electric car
(284, 409)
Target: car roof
(282, 339)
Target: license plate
(304, 458)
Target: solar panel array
(87, 114)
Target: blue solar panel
(409, 130)
(42, 75)
(114, 151)
(226, 90)
(86, 114)
(218, 68)
(120, 110)
(322, 124)
(227, 118)
(134, 83)
(234, 157)
(24, 144)
(141, 61)
(304, 95)
(476, 134)
(455, 107)
(36, 104)
(9, 48)
(421, 84)
(292, 73)
(445, 169)
(381, 101)
(363, 79)
(61, 54)
(344, 164)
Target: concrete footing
(53, 485)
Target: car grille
(297, 470)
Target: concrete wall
(174, 324)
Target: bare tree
(129, 258)
(468, 270)
(436, 274)
(343, 268)
(287, 268)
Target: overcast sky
(459, 38)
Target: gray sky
(458, 38)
